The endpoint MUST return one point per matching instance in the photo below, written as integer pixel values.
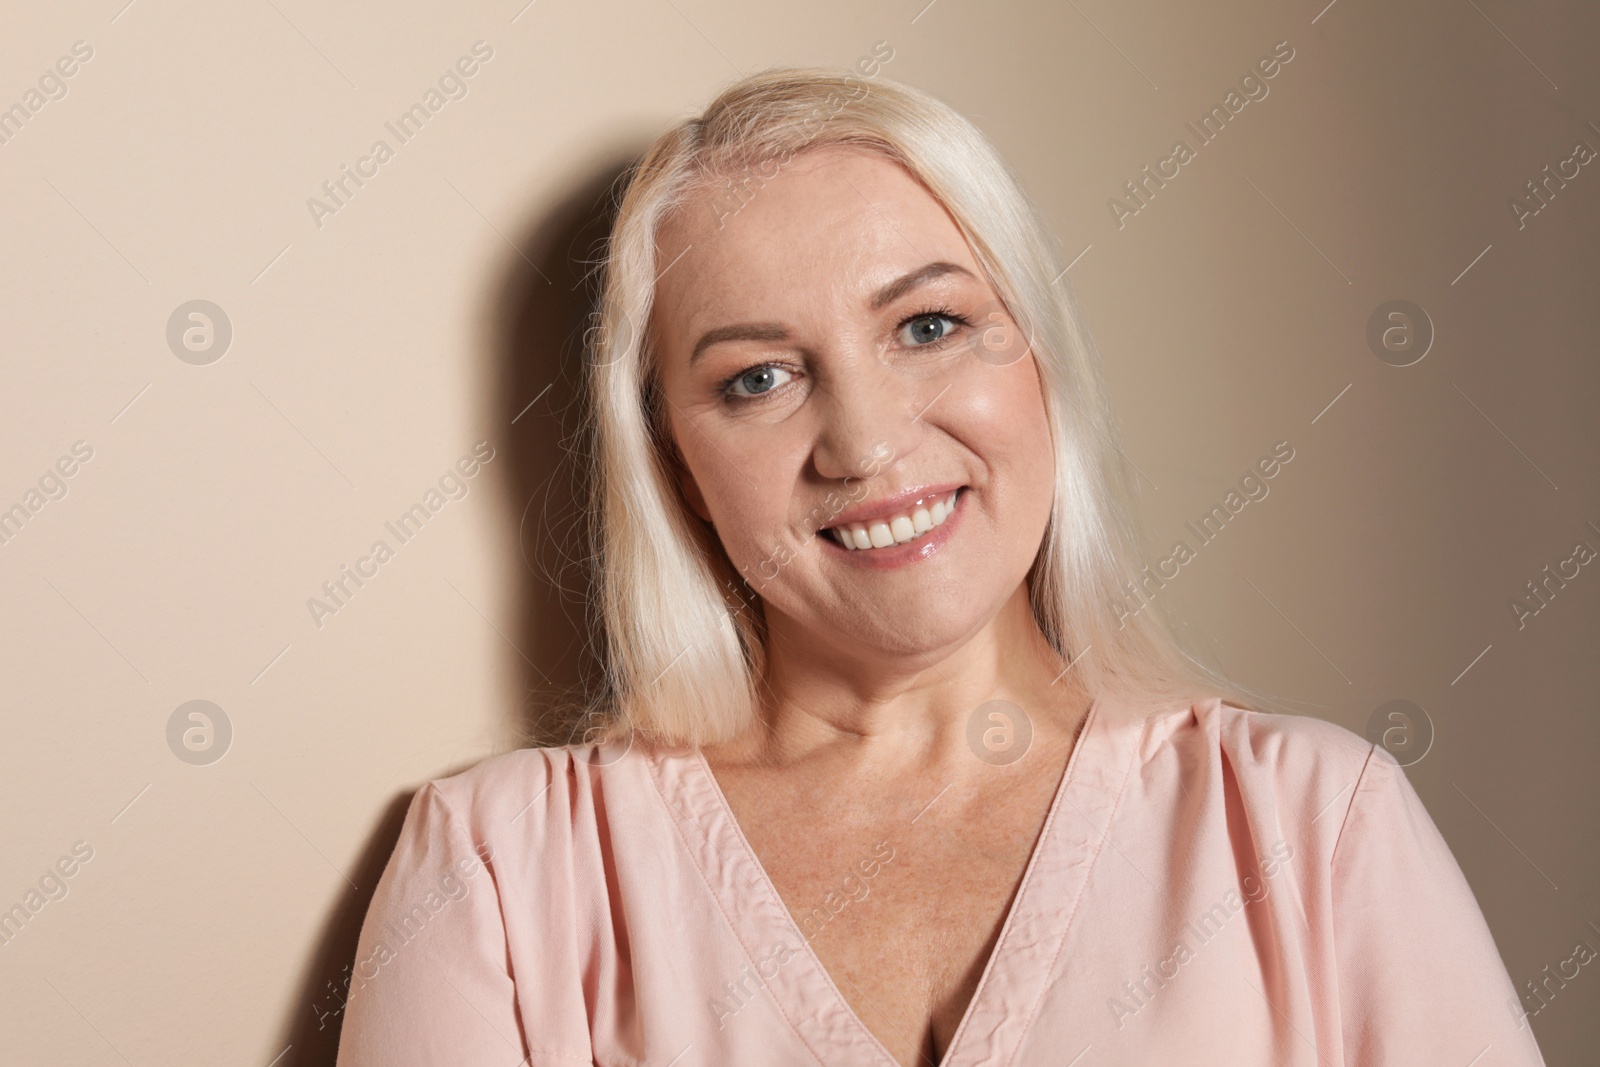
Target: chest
(901, 898)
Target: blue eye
(756, 380)
(927, 329)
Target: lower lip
(882, 559)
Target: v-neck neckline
(1018, 967)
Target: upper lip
(883, 507)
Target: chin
(930, 624)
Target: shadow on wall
(311, 1031)
(537, 414)
(540, 406)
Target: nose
(871, 418)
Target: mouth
(921, 520)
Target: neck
(876, 706)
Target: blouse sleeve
(1420, 980)
(432, 980)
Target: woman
(888, 772)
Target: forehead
(832, 225)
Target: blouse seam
(1066, 928)
(733, 928)
(1355, 792)
(453, 822)
(1009, 920)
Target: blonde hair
(684, 636)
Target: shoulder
(1293, 771)
(508, 778)
(542, 821)
(1289, 746)
(1374, 900)
(526, 780)
(1265, 736)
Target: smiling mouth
(913, 523)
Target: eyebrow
(904, 284)
(740, 331)
(774, 331)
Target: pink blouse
(1211, 886)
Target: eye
(756, 381)
(927, 328)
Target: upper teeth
(908, 525)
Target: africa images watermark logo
(49, 887)
(999, 732)
(453, 484)
(854, 887)
(1252, 87)
(1399, 332)
(1543, 590)
(199, 332)
(452, 887)
(1402, 729)
(199, 732)
(51, 486)
(1538, 992)
(50, 87)
(1139, 991)
(338, 191)
(1253, 488)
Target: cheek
(1031, 400)
(1007, 425)
(749, 491)
(1003, 421)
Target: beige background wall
(436, 307)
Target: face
(835, 364)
